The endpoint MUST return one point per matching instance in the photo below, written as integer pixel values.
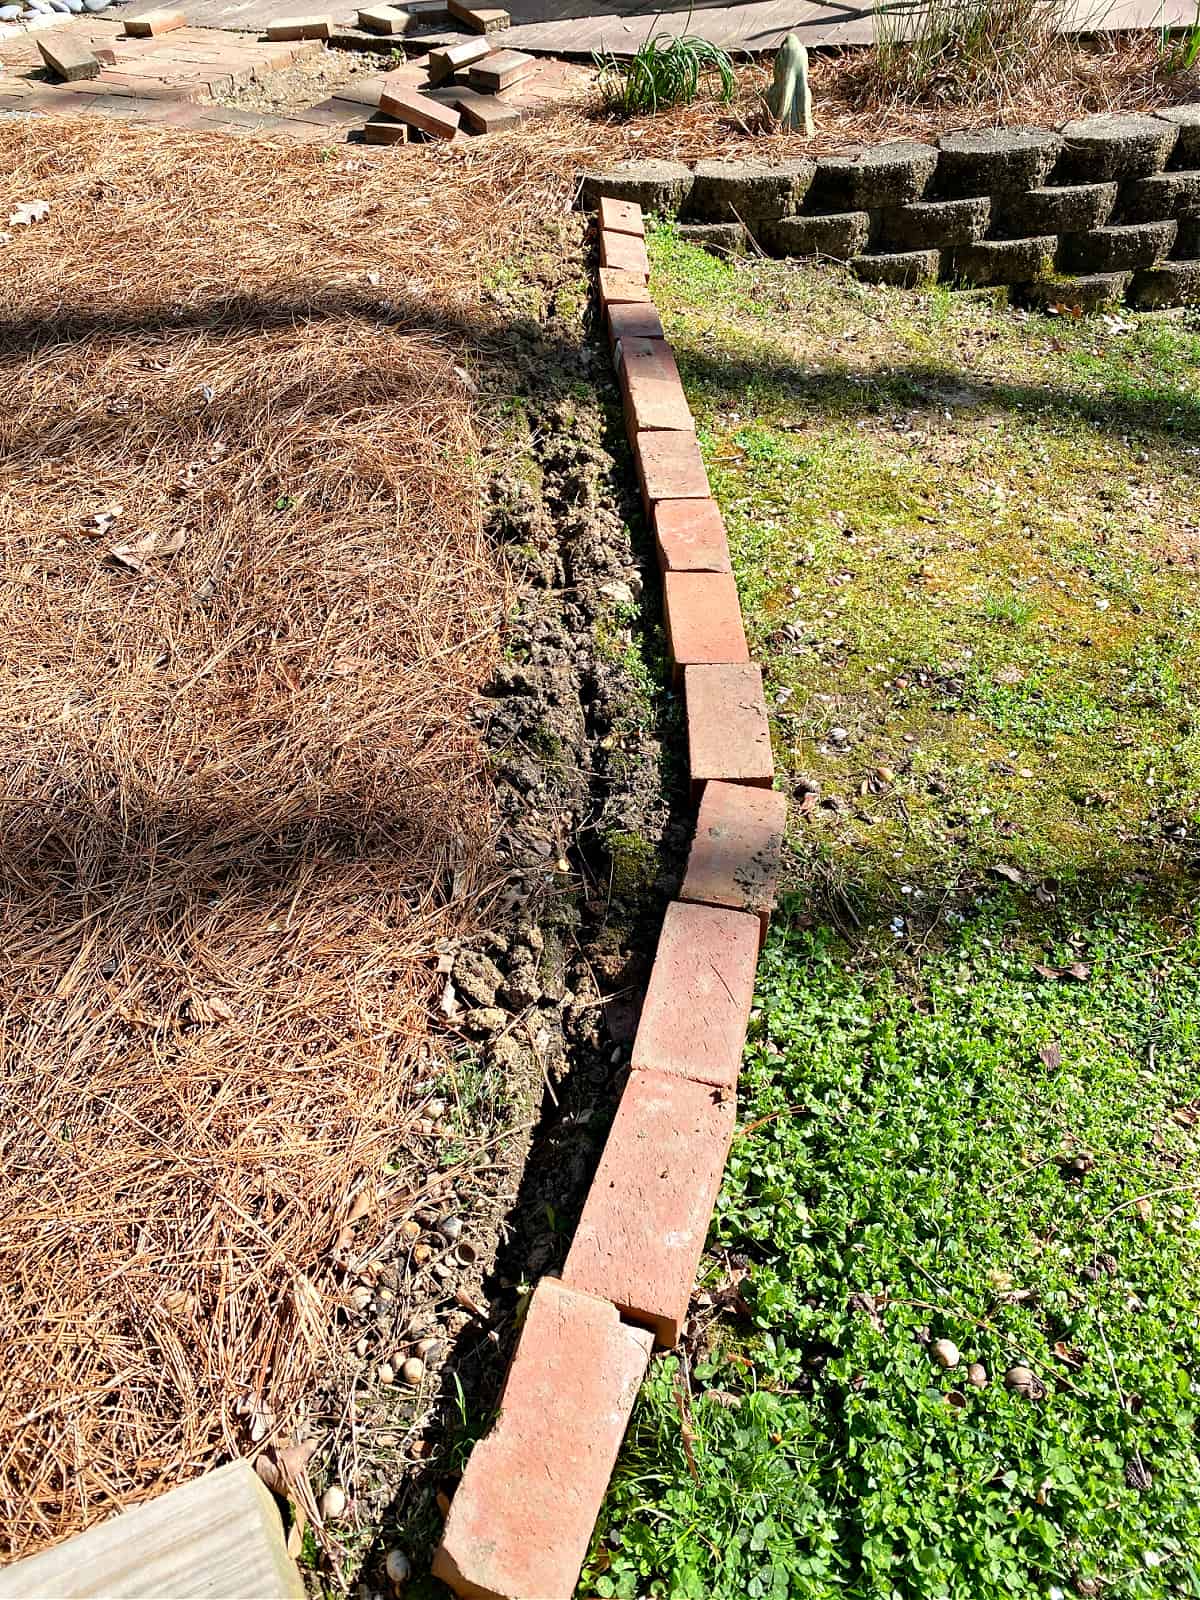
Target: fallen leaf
(1001, 869)
(28, 212)
(1051, 1055)
(1186, 1116)
(134, 556)
(213, 1010)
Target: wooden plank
(216, 1538)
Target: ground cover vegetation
(947, 1343)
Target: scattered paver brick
(697, 1004)
(670, 467)
(300, 28)
(445, 63)
(625, 251)
(691, 537)
(621, 216)
(501, 71)
(704, 619)
(641, 1235)
(650, 382)
(68, 58)
(634, 322)
(151, 24)
(420, 112)
(485, 113)
(522, 1517)
(382, 129)
(622, 288)
(729, 736)
(737, 849)
(481, 19)
(384, 20)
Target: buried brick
(747, 191)
(641, 1235)
(1103, 147)
(670, 467)
(634, 322)
(991, 261)
(839, 235)
(650, 382)
(729, 736)
(996, 162)
(927, 224)
(881, 175)
(703, 619)
(690, 535)
(68, 58)
(657, 186)
(1171, 283)
(737, 849)
(906, 269)
(454, 58)
(523, 1514)
(1136, 244)
(621, 216)
(622, 288)
(1186, 119)
(697, 1004)
(624, 251)
(1065, 208)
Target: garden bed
(944, 1344)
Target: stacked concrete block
(1103, 207)
(522, 1517)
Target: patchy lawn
(965, 540)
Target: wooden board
(216, 1538)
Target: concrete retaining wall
(1103, 209)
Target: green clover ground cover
(965, 542)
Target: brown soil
(309, 80)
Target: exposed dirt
(310, 79)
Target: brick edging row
(522, 1518)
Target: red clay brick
(481, 20)
(152, 24)
(634, 322)
(643, 1228)
(520, 1522)
(419, 111)
(288, 28)
(381, 129)
(729, 738)
(650, 382)
(704, 619)
(670, 467)
(737, 849)
(454, 58)
(691, 536)
(625, 252)
(697, 1002)
(622, 288)
(70, 60)
(621, 216)
(501, 71)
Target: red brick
(521, 1520)
(419, 111)
(151, 24)
(67, 58)
(704, 619)
(445, 63)
(622, 288)
(650, 382)
(698, 999)
(642, 1231)
(670, 467)
(625, 252)
(288, 28)
(491, 19)
(485, 113)
(729, 737)
(381, 129)
(737, 849)
(621, 216)
(634, 322)
(501, 71)
(691, 536)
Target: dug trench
(539, 1010)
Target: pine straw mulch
(1074, 78)
(240, 801)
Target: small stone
(9, 13)
(1022, 1381)
(945, 1353)
(386, 1373)
(450, 1227)
(333, 1501)
(399, 1568)
(477, 977)
(410, 1229)
(360, 1297)
(977, 1375)
(413, 1371)
(485, 1020)
(839, 735)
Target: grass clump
(951, 51)
(665, 71)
